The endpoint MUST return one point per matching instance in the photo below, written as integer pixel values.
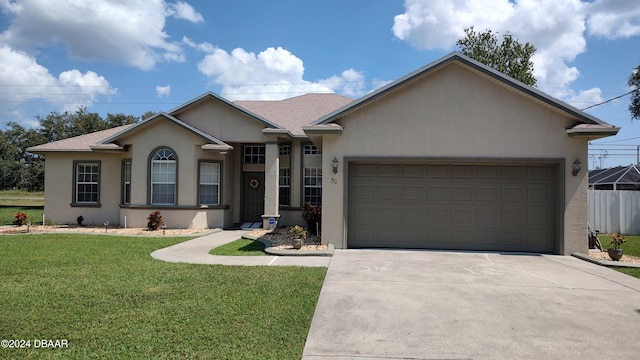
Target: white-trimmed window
(284, 150)
(163, 177)
(209, 186)
(313, 185)
(254, 154)
(310, 149)
(284, 183)
(126, 182)
(87, 183)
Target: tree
(509, 57)
(634, 81)
(24, 170)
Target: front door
(252, 196)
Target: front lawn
(109, 299)
(631, 247)
(240, 247)
(34, 213)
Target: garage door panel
(389, 192)
(452, 206)
(462, 193)
(539, 194)
(437, 216)
(414, 193)
(437, 192)
(539, 217)
(488, 217)
(487, 194)
(513, 193)
(512, 172)
(462, 172)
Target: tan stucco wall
(224, 122)
(455, 113)
(59, 189)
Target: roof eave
(107, 147)
(323, 129)
(593, 133)
(277, 132)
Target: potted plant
(299, 234)
(615, 251)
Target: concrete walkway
(196, 251)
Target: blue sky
(134, 56)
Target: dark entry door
(252, 196)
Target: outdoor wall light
(335, 165)
(576, 167)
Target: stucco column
(271, 190)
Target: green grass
(631, 247)
(34, 213)
(21, 198)
(240, 247)
(110, 299)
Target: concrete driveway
(396, 304)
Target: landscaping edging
(279, 252)
(590, 259)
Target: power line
(606, 101)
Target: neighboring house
(617, 178)
(452, 156)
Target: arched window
(163, 177)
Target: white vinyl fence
(615, 211)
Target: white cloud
(613, 18)
(25, 80)
(556, 28)
(163, 90)
(585, 98)
(182, 10)
(129, 32)
(349, 82)
(272, 74)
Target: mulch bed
(281, 238)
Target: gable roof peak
(461, 59)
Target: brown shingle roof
(78, 143)
(292, 114)
(296, 112)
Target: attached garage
(471, 206)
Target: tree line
(20, 169)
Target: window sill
(86, 205)
(175, 207)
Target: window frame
(317, 185)
(284, 185)
(151, 183)
(219, 183)
(126, 200)
(260, 156)
(310, 149)
(75, 183)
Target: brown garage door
(452, 206)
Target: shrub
(80, 219)
(298, 232)
(155, 220)
(20, 218)
(617, 240)
(311, 215)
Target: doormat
(251, 225)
